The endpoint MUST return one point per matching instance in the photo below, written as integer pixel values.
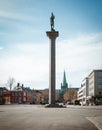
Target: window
(12, 93)
(99, 74)
(16, 94)
(1, 93)
(100, 80)
(24, 94)
(19, 93)
(100, 86)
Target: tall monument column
(52, 66)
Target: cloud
(14, 15)
(79, 56)
(26, 63)
(79, 48)
(29, 62)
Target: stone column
(52, 66)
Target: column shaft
(52, 66)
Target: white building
(91, 88)
(83, 91)
(95, 84)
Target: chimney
(18, 84)
(22, 85)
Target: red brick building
(18, 97)
(21, 94)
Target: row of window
(17, 99)
(18, 94)
(100, 86)
(99, 74)
(100, 80)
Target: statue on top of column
(52, 22)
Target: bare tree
(71, 94)
(10, 82)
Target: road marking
(97, 121)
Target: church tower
(64, 84)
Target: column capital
(52, 34)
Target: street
(37, 117)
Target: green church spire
(64, 84)
(64, 80)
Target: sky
(24, 46)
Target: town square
(37, 117)
(51, 65)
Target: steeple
(64, 85)
(64, 79)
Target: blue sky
(24, 46)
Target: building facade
(1, 91)
(18, 97)
(91, 88)
(95, 84)
(83, 92)
(4, 96)
(22, 94)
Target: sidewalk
(97, 121)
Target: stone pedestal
(52, 68)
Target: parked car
(70, 103)
(77, 102)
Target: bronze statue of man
(52, 22)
